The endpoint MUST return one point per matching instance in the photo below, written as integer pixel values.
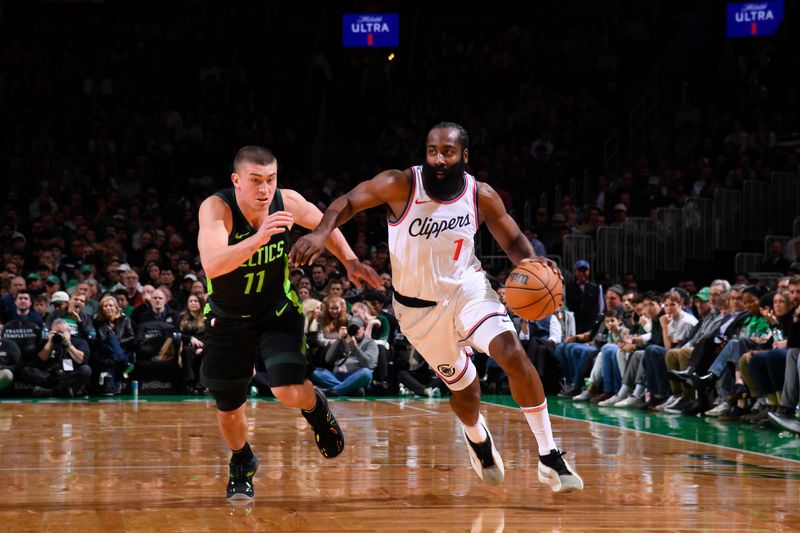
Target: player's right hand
(277, 222)
(306, 249)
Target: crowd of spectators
(118, 119)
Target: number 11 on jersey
(250, 276)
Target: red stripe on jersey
(407, 209)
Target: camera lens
(58, 338)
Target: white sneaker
(485, 458)
(611, 401)
(672, 400)
(584, 396)
(630, 401)
(557, 473)
(433, 392)
(718, 410)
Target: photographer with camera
(353, 356)
(62, 370)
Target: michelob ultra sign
(754, 19)
(379, 30)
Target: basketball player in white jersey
(442, 299)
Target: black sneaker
(240, 482)
(327, 432)
(556, 472)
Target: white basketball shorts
(446, 333)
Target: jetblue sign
(371, 30)
(754, 19)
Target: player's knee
(290, 395)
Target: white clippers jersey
(432, 244)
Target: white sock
(624, 391)
(638, 392)
(476, 433)
(539, 421)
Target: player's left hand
(358, 273)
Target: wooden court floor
(124, 466)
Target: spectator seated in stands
(10, 357)
(353, 356)
(63, 368)
(23, 304)
(192, 326)
(114, 345)
(79, 321)
(577, 354)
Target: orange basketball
(534, 290)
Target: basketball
(534, 290)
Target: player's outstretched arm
(216, 256)
(386, 187)
(503, 228)
(309, 216)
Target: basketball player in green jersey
(252, 309)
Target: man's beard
(448, 186)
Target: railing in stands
(747, 262)
(670, 239)
(755, 210)
(640, 247)
(784, 200)
(576, 247)
(727, 219)
(697, 227)
(610, 251)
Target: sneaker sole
(549, 477)
(493, 475)
(240, 496)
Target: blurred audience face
(198, 287)
(147, 293)
(122, 300)
(613, 300)
(193, 304)
(334, 308)
(23, 302)
(652, 308)
(736, 301)
(130, 280)
(303, 293)
(794, 294)
(335, 288)
(501, 295)
(715, 292)
(40, 306)
(627, 302)
(158, 300)
(110, 307)
(750, 303)
(17, 284)
(582, 275)
(76, 302)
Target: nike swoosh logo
(279, 313)
(240, 235)
(422, 202)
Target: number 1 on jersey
(250, 277)
(459, 244)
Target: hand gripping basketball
(534, 289)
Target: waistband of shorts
(412, 302)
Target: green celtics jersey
(255, 286)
